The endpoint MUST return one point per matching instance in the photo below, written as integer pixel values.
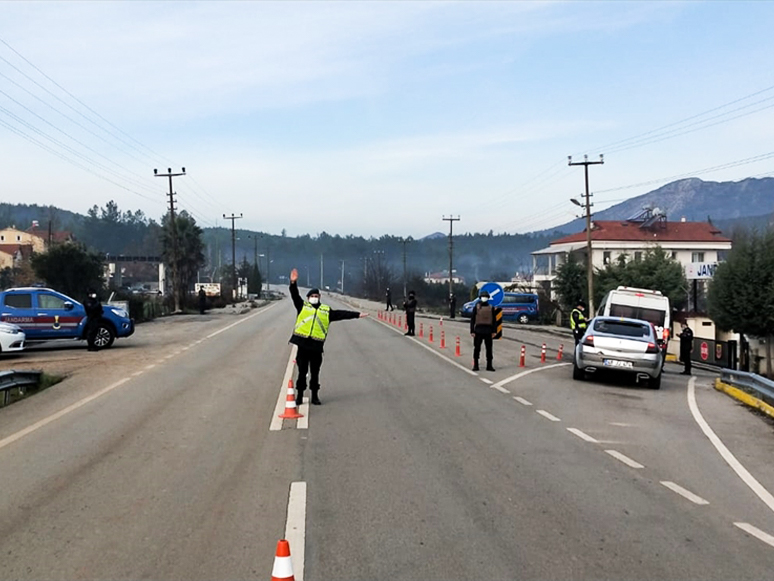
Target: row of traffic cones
(523, 356)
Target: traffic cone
(443, 339)
(421, 330)
(523, 356)
(290, 413)
(431, 334)
(283, 564)
(457, 349)
(400, 321)
(440, 323)
(561, 350)
(543, 354)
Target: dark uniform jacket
(483, 320)
(686, 344)
(410, 305)
(334, 315)
(93, 308)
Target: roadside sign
(495, 293)
(700, 270)
(704, 351)
(499, 323)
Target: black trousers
(389, 306)
(686, 357)
(410, 322)
(308, 361)
(92, 326)
(486, 339)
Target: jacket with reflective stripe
(581, 324)
(313, 323)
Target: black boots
(489, 367)
(299, 397)
(475, 366)
(315, 399)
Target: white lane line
(136, 373)
(625, 459)
(523, 373)
(756, 532)
(583, 435)
(303, 409)
(45, 421)
(487, 381)
(500, 389)
(522, 401)
(684, 493)
(295, 527)
(736, 466)
(276, 421)
(239, 322)
(548, 416)
(151, 366)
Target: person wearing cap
(483, 328)
(578, 321)
(93, 316)
(410, 306)
(309, 336)
(388, 296)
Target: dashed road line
(487, 381)
(548, 416)
(756, 532)
(625, 459)
(583, 435)
(684, 493)
(522, 401)
(295, 527)
(500, 389)
(523, 373)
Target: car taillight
(666, 334)
(652, 348)
(589, 340)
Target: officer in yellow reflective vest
(578, 321)
(309, 336)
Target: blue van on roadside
(519, 307)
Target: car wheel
(523, 319)
(104, 337)
(655, 382)
(577, 372)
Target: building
(14, 236)
(690, 243)
(443, 278)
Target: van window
(623, 328)
(653, 316)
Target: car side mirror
(68, 306)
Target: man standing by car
(309, 335)
(483, 328)
(410, 306)
(578, 321)
(93, 316)
(686, 347)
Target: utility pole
(233, 218)
(322, 286)
(342, 277)
(451, 220)
(405, 241)
(589, 264)
(173, 229)
(255, 255)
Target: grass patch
(20, 393)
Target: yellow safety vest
(581, 319)
(313, 323)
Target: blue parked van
(520, 307)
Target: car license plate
(616, 363)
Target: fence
(16, 380)
(749, 381)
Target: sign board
(700, 270)
(495, 293)
(704, 351)
(211, 289)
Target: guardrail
(748, 380)
(16, 379)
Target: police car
(45, 314)
(520, 307)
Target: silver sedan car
(619, 344)
(11, 338)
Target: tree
(190, 251)
(570, 283)
(741, 293)
(70, 268)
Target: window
(18, 238)
(674, 255)
(637, 256)
(622, 328)
(606, 257)
(697, 257)
(653, 316)
(50, 302)
(2, 237)
(19, 301)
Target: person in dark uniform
(483, 328)
(686, 347)
(309, 335)
(389, 306)
(410, 306)
(452, 306)
(578, 321)
(93, 316)
(202, 300)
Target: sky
(372, 118)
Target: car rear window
(650, 315)
(19, 300)
(622, 328)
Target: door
(17, 309)
(57, 316)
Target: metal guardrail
(17, 379)
(748, 380)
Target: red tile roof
(12, 249)
(609, 230)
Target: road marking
(136, 373)
(756, 532)
(523, 373)
(295, 527)
(276, 421)
(548, 416)
(582, 435)
(500, 389)
(684, 493)
(239, 322)
(45, 421)
(726, 454)
(522, 401)
(151, 366)
(621, 424)
(485, 380)
(625, 459)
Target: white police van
(643, 304)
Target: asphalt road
(163, 459)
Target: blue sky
(372, 118)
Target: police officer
(483, 328)
(452, 306)
(390, 306)
(202, 300)
(309, 335)
(578, 321)
(410, 306)
(686, 347)
(93, 316)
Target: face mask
(314, 300)
(484, 300)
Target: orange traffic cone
(561, 350)
(543, 354)
(283, 564)
(431, 334)
(421, 330)
(290, 413)
(443, 339)
(457, 349)
(523, 356)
